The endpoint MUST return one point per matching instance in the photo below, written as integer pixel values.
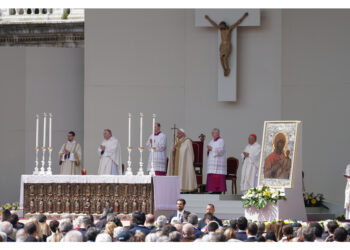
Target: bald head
(149, 219)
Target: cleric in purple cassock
(216, 164)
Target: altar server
(216, 164)
(181, 162)
(110, 155)
(70, 156)
(251, 162)
(159, 154)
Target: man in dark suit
(15, 222)
(137, 221)
(180, 204)
(103, 220)
(209, 210)
(252, 230)
(242, 224)
(31, 231)
(150, 222)
(193, 219)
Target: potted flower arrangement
(312, 200)
(260, 203)
(260, 197)
(314, 203)
(9, 206)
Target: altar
(89, 194)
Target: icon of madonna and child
(278, 164)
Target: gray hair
(161, 221)
(20, 235)
(65, 226)
(73, 236)
(6, 227)
(175, 236)
(103, 237)
(151, 237)
(188, 229)
(110, 217)
(79, 220)
(193, 219)
(216, 237)
(175, 220)
(217, 130)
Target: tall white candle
(37, 132)
(141, 128)
(129, 134)
(50, 129)
(44, 131)
(153, 122)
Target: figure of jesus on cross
(226, 46)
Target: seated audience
(242, 225)
(137, 221)
(251, 231)
(340, 235)
(210, 209)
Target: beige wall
(35, 80)
(54, 83)
(12, 122)
(157, 61)
(315, 89)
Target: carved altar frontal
(87, 198)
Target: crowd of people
(181, 226)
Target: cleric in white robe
(251, 162)
(216, 164)
(110, 155)
(347, 193)
(159, 154)
(70, 156)
(181, 160)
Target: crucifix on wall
(226, 22)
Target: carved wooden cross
(227, 85)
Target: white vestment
(110, 160)
(217, 162)
(181, 164)
(159, 154)
(347, 193)
(70, 164)
(250, 168)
